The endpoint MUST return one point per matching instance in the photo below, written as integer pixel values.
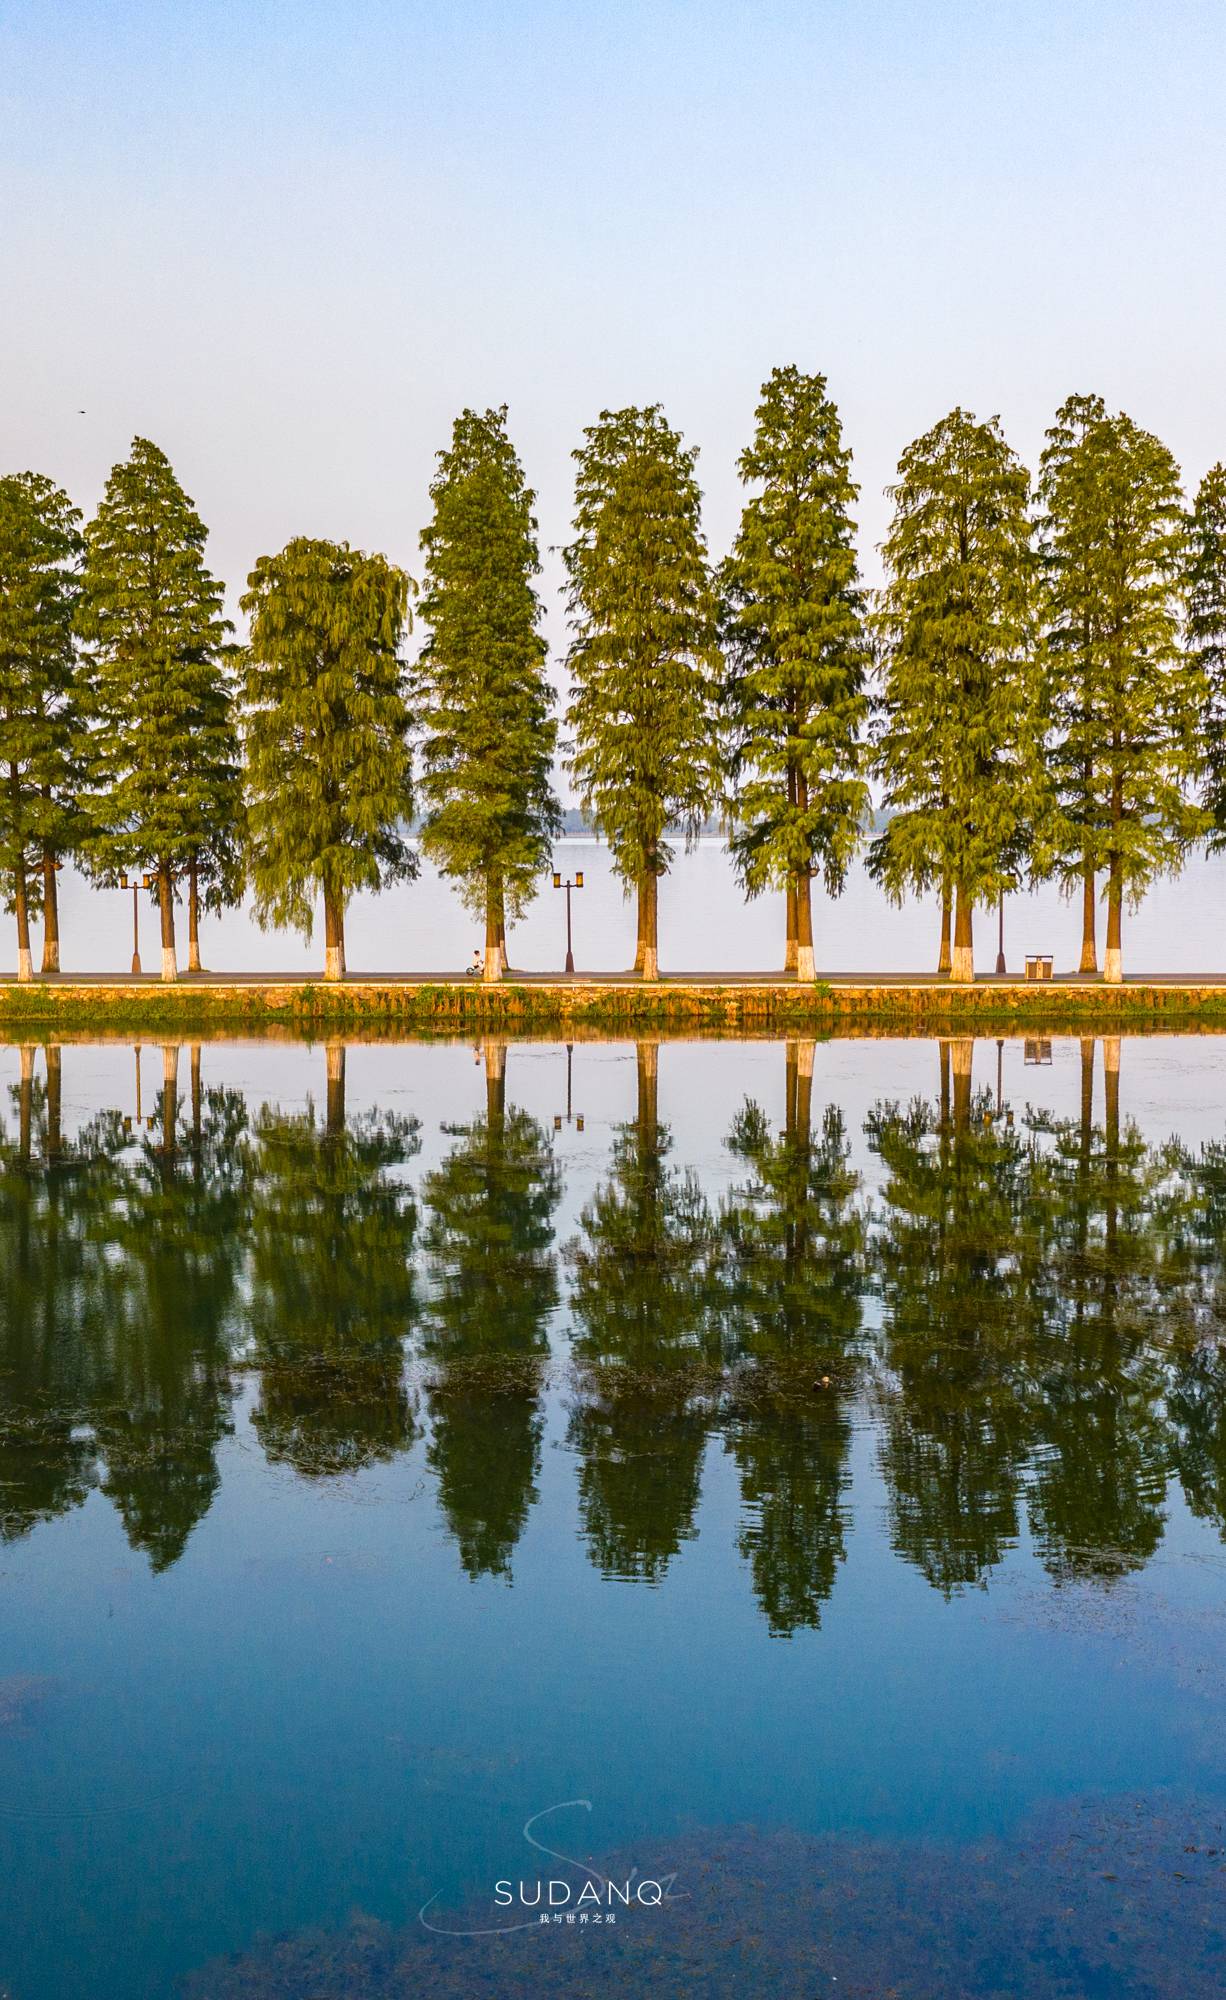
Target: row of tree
(1038, 690)
(1049, 1292)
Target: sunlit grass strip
(463, 1005)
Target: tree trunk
(804, 928)
(1111, 1088)
(170, 1097)
(789, 954)
(493, 933)
(638, 935)
(495, 1086)
(802, 1130)
(647, 1060)
(193, 916)
(943, 1061)
(334, 1056)
(963, 1057)
(51, 913)
(21, 910)
(166, 905)
(1113, 964)
(791, 1062)
(197, 1095)
(334, 936)
(962, 966)
(945, 955)
(25, 1115)
(55, 1100)
(1089, 942)
(1087, 1094)
(649, 889)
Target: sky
(290, 242)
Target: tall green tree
(164, 750)
(1124, 699)
(1206, 637)
(960, 741)
(794, 634)
(644, 661)
(485, 704)
(41, 727)
(326, 724)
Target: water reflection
(1027, 1308)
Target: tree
(795, 1234)
(163, 746)
(1122, 697)
(41, 729)
(489, 1244)
(644, 660)
(1206, 637)
(646, 1306)
(326, 724)
(333, 1297)
(795, 639)
(959, 750)
(490, 812)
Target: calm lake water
(790, 1475)
(705, 925)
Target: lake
(705, 925)
(722, 1517)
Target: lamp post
(1000, 939)
(575, 1117)
(568, 885)
(146, 882)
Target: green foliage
(959, 751)
(490, 815)
(326, 724)
(1123, 699)
(41, 725)
(1206, 636)
(644, 659)
(794, 635)
(164, 747)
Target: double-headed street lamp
(146, 882)
(568, 885)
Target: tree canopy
(485, 704)
(326, 724)
(794, 633)
(1124, 698)
(164, 763)
(960, 739)
(644, 660)
(41, 728)
(1206, 636)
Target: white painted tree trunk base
(1113, 966)
(25, 967)
(170, 963)
(804, 1059)
(334, 961)
(651, 962)
(804, 962)
(962, 965)
(193, 958)
(51, 956)
(493, 964)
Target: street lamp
(572, 1117)
(146, 882)
(568, 885)
(1000, 939)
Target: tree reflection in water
(1029, 1312)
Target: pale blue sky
(289, 242)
